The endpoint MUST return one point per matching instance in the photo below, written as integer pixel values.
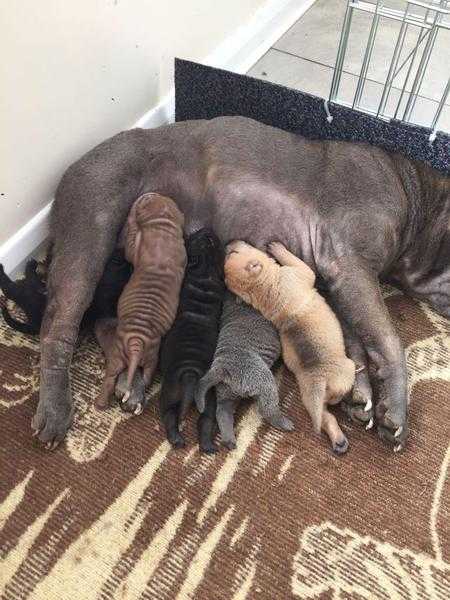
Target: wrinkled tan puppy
(148, 304)
(311, 336)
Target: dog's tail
(30, 328)
(314, 397)
(189, 381)
(135, 351)
(211, 379)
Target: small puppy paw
(176, 440)
(208, 448)
(341, 446)
(275, 247)
(134, 400)
(359, 408)
(230, 444)
(283, 423)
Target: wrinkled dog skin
(247, 348)
(311, 337)
(188, 348)
(148, 304)
(352, 212)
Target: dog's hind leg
(137, 400)
(81, 248)
(268, 401)
(358, 404)
(313, 392)
(227, 402)
(170, 401)
(339, 442)
(132, 398)
(207, 425)
(105, 331)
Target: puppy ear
(254, 267)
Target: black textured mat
(205, 92)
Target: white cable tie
(327, 110)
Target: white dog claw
(368, 405)
(138, 409)
(370, 424)
(398, 432)
(397, 448)
(126, 396)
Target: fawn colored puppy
(311, 337)
(147, 307)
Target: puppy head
(154, 208)
(151, 217)
(205, 252)
(244, 266)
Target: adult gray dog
(352, 212)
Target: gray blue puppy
(247, 348)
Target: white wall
(75, 72)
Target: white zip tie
(327, 110)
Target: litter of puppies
(162, 301)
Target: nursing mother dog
(352, 212)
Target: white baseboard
(238, 53)
(15, 251)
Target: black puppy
(188, 348)
(30, 293)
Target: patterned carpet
(115, 514)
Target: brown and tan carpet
(115, 514)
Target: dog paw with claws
(359, 407)
(393, 431)
(50, 425)
(133, 400)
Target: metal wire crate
(420, 43)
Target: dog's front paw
(51, 422)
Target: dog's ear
(254, 267)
